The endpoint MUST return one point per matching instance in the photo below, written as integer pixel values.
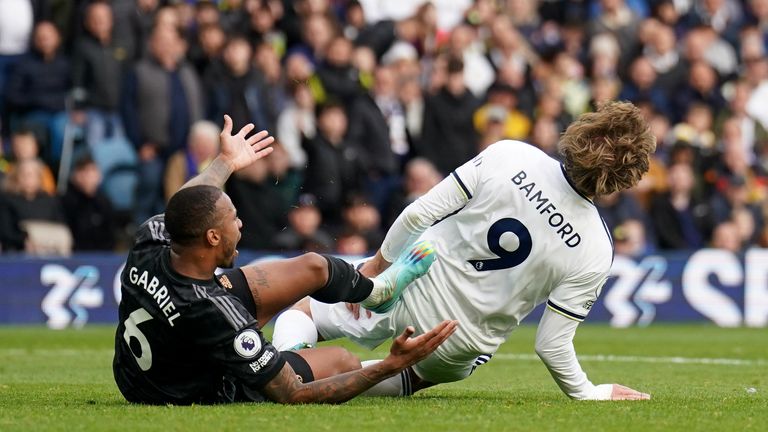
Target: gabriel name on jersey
(159, 294)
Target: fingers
(442, 336)
(407, 333)
(246, 130)
(227, 130)
(621, 392)
(260, 140)
(264, 152)
(354, 309)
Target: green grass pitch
(61, 380)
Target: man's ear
(213, 237)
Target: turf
(61, 380)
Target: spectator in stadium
(162, 98)
(701, 87)
(419, 176)
(211, 40)
(304, 232)
(501, 104)
(703, 44)
(726, 236)
(665, 59)
(97, 74)
(40, 215)
(362, 218)
(181, 249)
(186, 163)
(334, 168)
(681, 220)
(340, 80)
(87, 210)
(377, 122)
(642, 87)
(616, 18)
(17, 20)
(297, 123)
(12, 237)
(478, 72)
(259, 204)
(236, 87)
(630, 239)
(37, 90)
(449, 137)
(724, 17)
(352, 244)
(24, 146)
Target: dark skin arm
(405, 351)
(237, 152)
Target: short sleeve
(247, 356)
(152, 233)
(228, 335)
(574, 299)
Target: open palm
(240, 150)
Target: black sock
(345, 284)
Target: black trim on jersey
(461, 184)
(448, 215)
(566, 311)
(570, 182)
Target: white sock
(293, 327)
(379, 294)
(398, 385)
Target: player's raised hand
(240, 150)
(621, 392)
(406, 350)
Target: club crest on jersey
(247, 344)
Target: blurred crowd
(108, 107)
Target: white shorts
(450, 362)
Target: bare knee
(303, 306)
(315, 264)
(346, 361)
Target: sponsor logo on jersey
(225, 282)
(247, 344)
(262, 361)
(588, 305)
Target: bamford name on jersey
(546, 208)
(158, 293)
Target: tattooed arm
(237, 152)
(405, 351)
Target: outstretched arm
(442, 200)
(237, 152)
(554, 345)
(405, 351)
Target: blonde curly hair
(608, 150)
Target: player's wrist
(600, 392)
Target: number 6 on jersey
(144, 358)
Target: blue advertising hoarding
(706, 285)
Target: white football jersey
(522, 236)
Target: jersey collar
(570, 183)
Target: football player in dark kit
(187, 336)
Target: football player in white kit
(513, 228)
